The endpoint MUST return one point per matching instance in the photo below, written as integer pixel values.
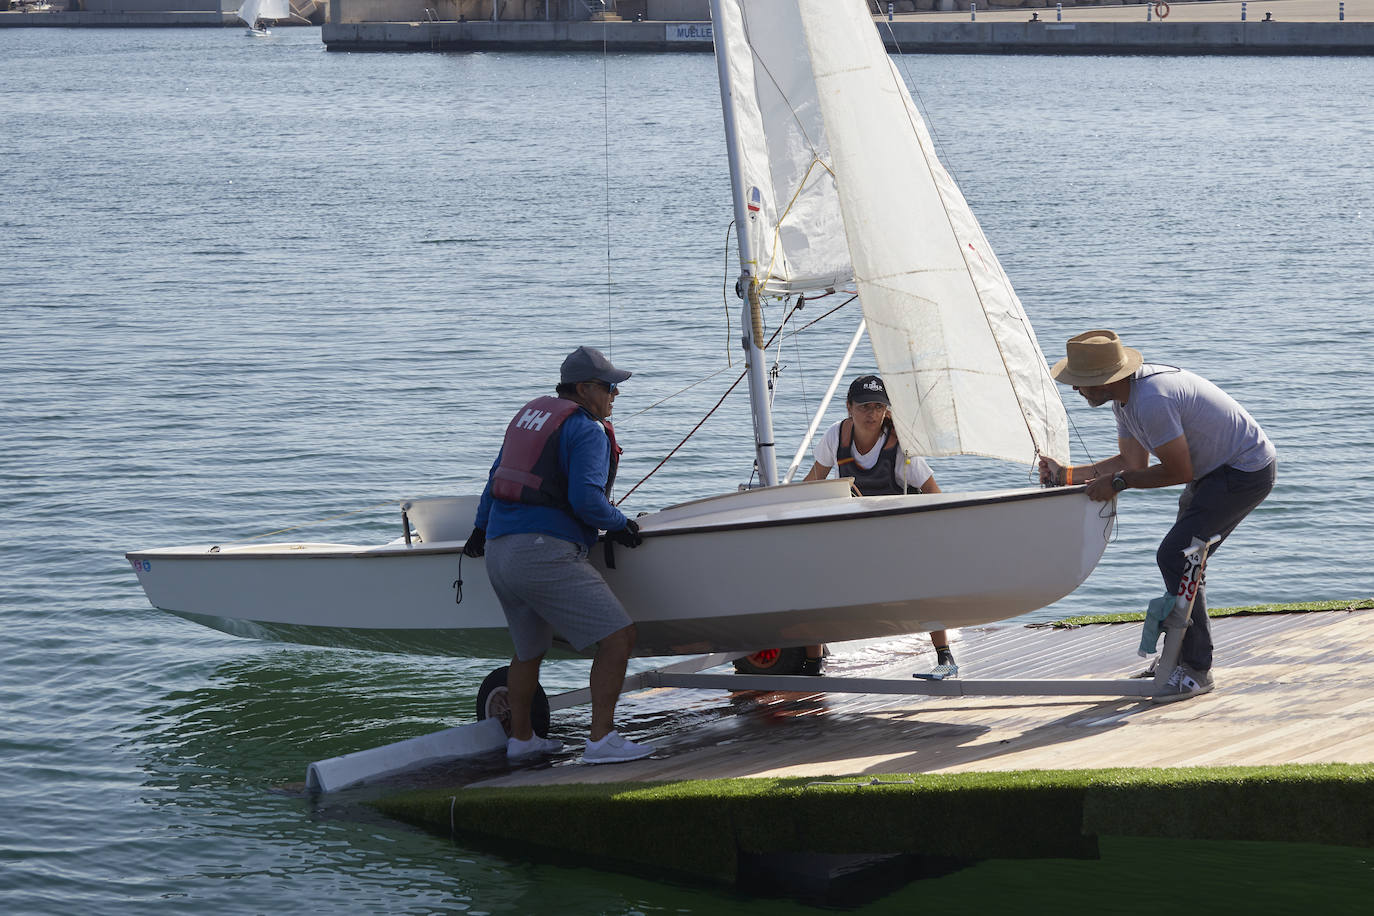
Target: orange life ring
(1162, 9)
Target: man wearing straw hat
(1201, 438)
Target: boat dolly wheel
(493, 702)
(772, 661)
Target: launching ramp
(488, 736)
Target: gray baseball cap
(586, 364)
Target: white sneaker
(614, 749)
(534, 746)
(1184, 684)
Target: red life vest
(530, 471)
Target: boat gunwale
(454, 547)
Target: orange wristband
(1068, 476)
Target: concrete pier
(127, 20)
(1298, 27)
(911, 37)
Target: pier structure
(1215, 27)
(143, 13)
(1254, 27)
(1281, 752)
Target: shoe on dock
(1184, 684)
(534, 746)
(613, 748)
(938, 673)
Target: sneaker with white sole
(534, 746)
(613, 748)
(1184, 684)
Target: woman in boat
(864, 446)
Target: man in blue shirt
(546, 498)
(1201, 438)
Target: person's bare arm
(1175, 466)
(1054, 474)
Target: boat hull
(734, 573)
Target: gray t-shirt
(1166, 403)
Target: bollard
(889, 12)
(1242, 12)
(973, 12)
(1059, 12)
(1149, 12)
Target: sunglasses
(609, 386)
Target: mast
(751, 319)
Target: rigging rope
(606, 158)
(732, 387)
(716, 407)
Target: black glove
(477, 543)
(629, 536)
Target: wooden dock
(1291, 688)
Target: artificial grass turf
(1305, 607)
(700, 827)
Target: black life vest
(530, 471)
(879, 480)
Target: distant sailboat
(256, 13)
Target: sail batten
(818, 103)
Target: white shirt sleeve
(916, 471)
(828, 445)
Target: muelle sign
(689, 31)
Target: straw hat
(1096, 358)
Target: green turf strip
(699, 827)
(1361, 604)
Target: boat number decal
(141, 565)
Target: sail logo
(533, 419)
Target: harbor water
(249, 285)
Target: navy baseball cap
(868, 389)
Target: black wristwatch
(1118, 482)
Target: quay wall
(132, 19)
(1001, 37)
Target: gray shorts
(546, 586)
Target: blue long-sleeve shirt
(584, 455)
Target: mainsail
(253, 10)
(819, 107)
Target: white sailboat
(257, 13)
(809, 97)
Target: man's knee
(623, 638)
(1169, 556)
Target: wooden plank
(1291, 688)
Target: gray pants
(547, 585)
(1213, 504)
